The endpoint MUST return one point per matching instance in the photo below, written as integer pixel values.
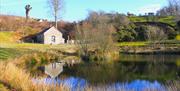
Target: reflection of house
(48, 36)
(54, 69)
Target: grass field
(132, 43)
(146, 43)
(12, 50)
(6, 53)
(167, 19)
(7, 37)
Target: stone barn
(48, 36)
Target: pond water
(131, 73)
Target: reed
(20, 80)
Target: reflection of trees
(124, 71)
(173, 85)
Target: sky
(76, 10)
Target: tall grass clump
(21, 80)
(15, 77)
(3, 88)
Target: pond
(145, 72)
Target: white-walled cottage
(47, 36)
(50, 36)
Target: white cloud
(149, 8)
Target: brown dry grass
(21, 80)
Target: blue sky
(75, 10)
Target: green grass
(168, 42)
(166, 19)
(137, 19)
(132, 43)
(7, 37)
(146, 43)
(12, 50)
(6, 53)
(37, 47)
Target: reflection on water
(145, 72)
(157, 57)
(54, 69)
(78, 84)
(98, 73)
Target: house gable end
(52, 30)
(53, 36)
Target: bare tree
(56, 6)
(103, 38)
(27, 8)
(98, 39)
(84, 39)
(174, 6)
(172, 9)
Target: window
(53, 38)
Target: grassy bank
(150, 47)
(121, 44)
(150, 43)
(13, 50)
(13, 75)
(6, 53)
(7, 37)
(166, 19)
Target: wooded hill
(127, 28)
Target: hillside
(12, 28)
(16, 27)
(166, 19)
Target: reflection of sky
(77, 83)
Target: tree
(104, 40)
(141, 33)
(27, 8)
(85, 39)
(126, 34)
(120, 21)
(172, 9)
(98, 39)
(156, 34)
(56, 6)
